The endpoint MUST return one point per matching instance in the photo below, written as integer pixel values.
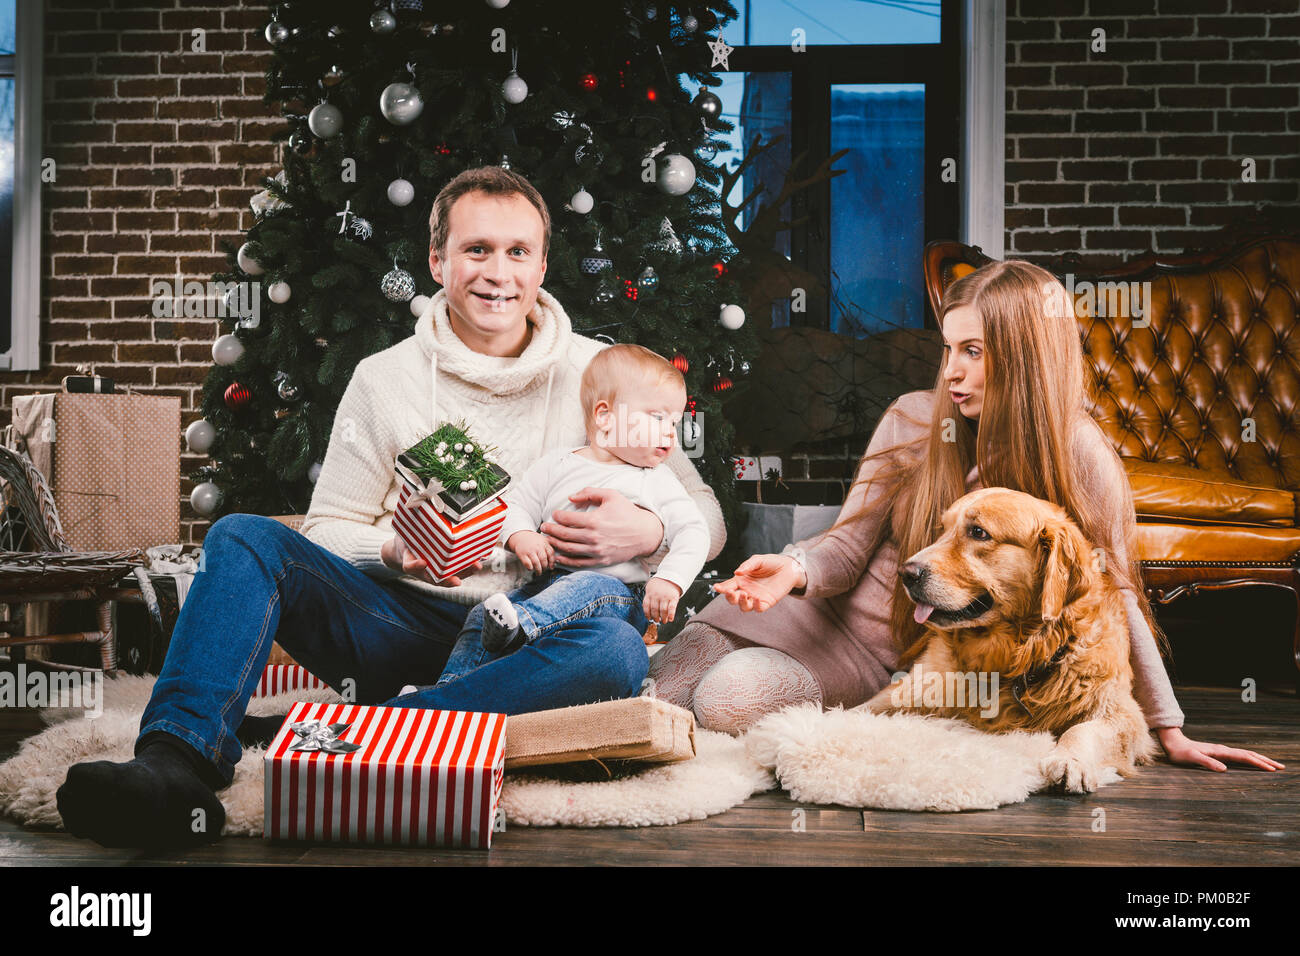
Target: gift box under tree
(349, 773)
(450, 512)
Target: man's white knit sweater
(525, 406)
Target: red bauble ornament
(588, 81)
(722, 384)
(237, 396)
(629, 289)
(683, 365)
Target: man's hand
(613, 532)
(395, 555)
(532, 550)
(661, 598)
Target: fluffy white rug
(720, 777)
(898, 761)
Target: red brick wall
(157, 150)
(1141, 147)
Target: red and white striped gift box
(282, 678)
(447, 547)
(421, 777)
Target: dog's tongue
(922, 612)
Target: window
(882, 79)
(20, 196)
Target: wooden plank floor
(1165, 815)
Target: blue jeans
(546, 605)
(364, 637)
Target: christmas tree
(388, 104)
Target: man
(344, 598)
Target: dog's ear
(1064, 573)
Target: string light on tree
(589, 82)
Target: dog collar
(1021, 684)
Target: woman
(1026, 427)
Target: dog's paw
(1063, 768)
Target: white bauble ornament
(419, 304)
(401, 192)
(582, 202)
(205, 498)
(199, 436)
(246, 261)
(381, 22)
(279, 292)
(325, 120)
(514, 89)
(498, 4)
(677, 175)
(731, 317)
(227, 349)
(313, 473)
(401, 103)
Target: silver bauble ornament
(514, 89)
(731, 317)
(401, 104)
(648, 280)
(596, 262)
(199, 436)
(333, 76)
(287, 391)
(246, 261)
(676, 175)
(276, 33)
(279, 292)
(708, 104)
(561, 119)
(690, 24)
(325, 120)
(398, 285)
(300, 142)
(227, 349)
(205, 498)
(401, 192)
(587, 151)
(582, 202)
(606, 292)
(382, 22)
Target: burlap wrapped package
(639, 728)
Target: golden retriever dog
(1020, 612)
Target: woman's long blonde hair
(1035, 392)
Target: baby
(632, 399)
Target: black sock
(152, 801)
(259, 731)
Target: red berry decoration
(237, 396)
(722, 384)
(683, 365)
(444, 149)
(629, 289)
(588, 81)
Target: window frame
(965, 120)
(24, 353)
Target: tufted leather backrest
(1209, 375)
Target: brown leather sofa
(1201, 398)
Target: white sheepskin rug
(720, 776)
(898, 761)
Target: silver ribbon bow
(324, 737)
(429, 492)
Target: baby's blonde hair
(620, 368)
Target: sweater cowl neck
(501, 375)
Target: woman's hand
(1194, 753)
(395, 555)
(760, 582)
